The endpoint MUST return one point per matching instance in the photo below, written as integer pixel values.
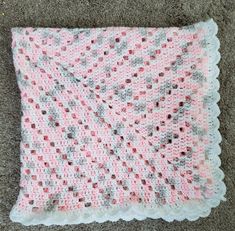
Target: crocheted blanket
(118, 123)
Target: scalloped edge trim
(193, 209)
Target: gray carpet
(88, 13)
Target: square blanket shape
(118, 123)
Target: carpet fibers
(97, 13)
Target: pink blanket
(118, 123)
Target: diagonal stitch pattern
(118, 122)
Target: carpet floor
(97, 13)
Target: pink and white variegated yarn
(118, 122)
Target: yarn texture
(118, 123)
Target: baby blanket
(118, 123)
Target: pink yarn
(115, 118)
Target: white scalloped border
(191, 210)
